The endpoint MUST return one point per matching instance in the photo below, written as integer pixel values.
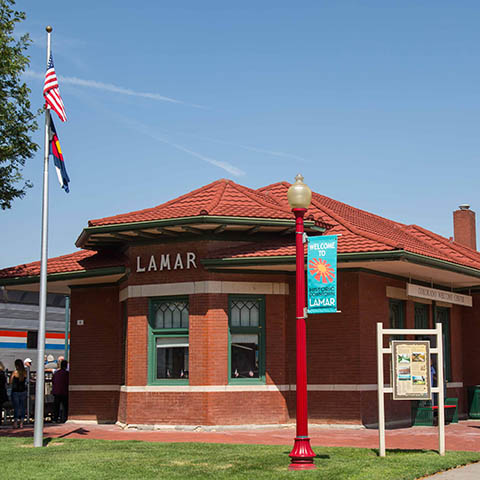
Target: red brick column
(208, 339)
(136, 358)
(95, 353)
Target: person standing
(19, 392)
(60, 382)
(3, 388)
(28, 366)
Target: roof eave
(391, 255)
(62, 276)
(179, 221)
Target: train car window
(32, 339)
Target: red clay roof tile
(220, 198)
(73, 262)
(360, 231)
(369, 232)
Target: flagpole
(40, 379)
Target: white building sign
(438, 295)
(167, 262)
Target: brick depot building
(185, 313)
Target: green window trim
(396, 310)
(442, 315)
(155, 333)
(248, 330)
(421, 315)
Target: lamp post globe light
(302, 455)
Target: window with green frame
(442, 315)
(397, 316)
(421, 315)
(168, 328)
(421, 311)
(246, 319)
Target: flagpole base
(302, 455)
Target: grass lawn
(69, 459)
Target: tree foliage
(17, 122)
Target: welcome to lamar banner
(322, 274)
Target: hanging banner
(322, 274)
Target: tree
(17, 122)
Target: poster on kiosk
(322, 274)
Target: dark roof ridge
(269, 187)
(458, 247)
(348, 225)
(176, 199)
(404, 229)
(287, 185)
(216, 199)
(267, 190)
(260, 197)
(370, 214)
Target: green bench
(423, 412)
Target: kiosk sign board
(322, 274)
(411, 370)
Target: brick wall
(470, 347)
(208, 337)
(95, 351)
(341, 350)
(212, 408)
(136, 368)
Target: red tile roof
(365, 232)
(74, 262)
(220, 198)
(360, 231)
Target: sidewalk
(469, 472)
(461, 436)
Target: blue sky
(376, 103)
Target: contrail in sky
(218, 163)
(253, 149)
(146, 130)
(109, 87)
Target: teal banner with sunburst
(322, 274)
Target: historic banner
(322, 274)
(411, 370)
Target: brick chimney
(464, 230)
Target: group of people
(18, 381)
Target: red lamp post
(302, 455)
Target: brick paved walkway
(462, 436)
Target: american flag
(52, 93)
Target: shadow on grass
(78, 431)
(402, 450)
(16, 433)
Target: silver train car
(19, 317)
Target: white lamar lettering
(321, 302)
(178, 262)
(161, 262)
(152, 265)
(139, 268)
(165, 262)
(191, 260)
